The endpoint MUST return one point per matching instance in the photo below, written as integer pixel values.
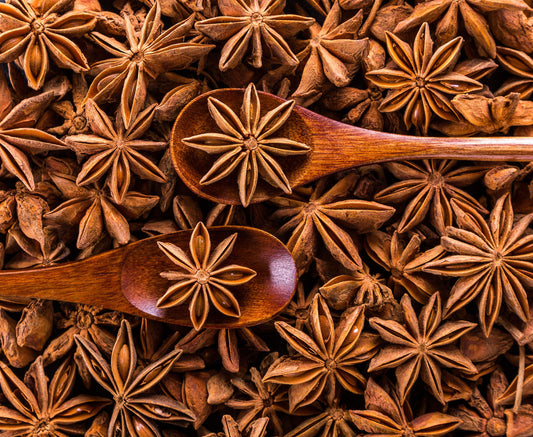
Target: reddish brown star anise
(37, 31)
(422, 79)
(386, 415)
(421, 345)
(326, 359)
(254, 22)
(493, 260)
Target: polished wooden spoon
(128, 279)
(334, 147)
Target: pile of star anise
(412, 314)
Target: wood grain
(127, 279)
(334, 146)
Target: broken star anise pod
(326, 359)
(137, 412)
(421, 346)
(203, 280)
(246, 144)
(256, 22)
(493, 260)
(422, 79)
(38, 31)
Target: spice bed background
(412, 312)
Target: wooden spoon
(128, 279)
(334, 147)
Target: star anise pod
(147, 54)
(95, 212)
(264, 399)
(116, 151)
(39, 31)
(520, 64)
(493, 260)
(386, 415)
(422, 79)
(429, 186)
(203, 281)
(320, 215)
(255, 22)
(334, 421)
(331, 55)
(472, 13)
(297, 312)
(487, 115)
(136, 412)
(17, 137)
(325, 360)
(246, 144)
(42, 409)
(258, 428)
(404, 262)
(421, 345)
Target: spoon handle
(343, 146)
(92, 281)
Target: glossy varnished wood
(334, 146)
(127, 279)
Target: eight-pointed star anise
(422, 79)
(259, 22)
(203, 280)
(137, 412)
(326, 359)
(422, 345)
(116, 151)
(147, 54)
(493, 260)
(41, 32)
(41, 408)
(246, 143)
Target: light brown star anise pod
(422, 345)
(333, 422)
(319, 215)
(520, 64)
(147, 54)
(422, 79)
(39, 408)
(17, 137)
(95, 212)
(203, 280)
(331, 55)
(326, 359)
(493, 260)
(256, 22)
(38, 31)
(487, 115)
(472, 13)
(429, 186)
(386, 415)
(116, 151)
(404, 262)
(246, 144)
(258, 428)
(137, 412)
(265, 399)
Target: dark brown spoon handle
(337, 146)
(128, 279)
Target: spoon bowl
(334, 146)
(128, 279)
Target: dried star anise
(246, 144)
(204, 280)
(422, 79)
